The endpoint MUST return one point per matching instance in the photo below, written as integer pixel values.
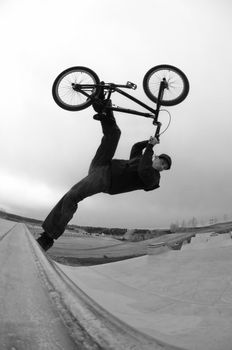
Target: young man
(108, 175)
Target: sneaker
(99, 103)
(106, 115)
(45, 241)
(101, 94)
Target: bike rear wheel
(63, 89)
(177, 84)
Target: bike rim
(65, 92)
(175, 84)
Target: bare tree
(174, 227)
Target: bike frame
(116, 88)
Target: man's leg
(97, 181)
(109, 142)
(56, 222)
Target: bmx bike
(76, 88)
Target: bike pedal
(131, 85)
(99, 116)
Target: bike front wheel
(177, 84)
(64, 89)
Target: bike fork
(163, 86)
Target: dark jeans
(98, 180)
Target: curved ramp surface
(41, 308)
(182, 297)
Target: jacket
(136, 173)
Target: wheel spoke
(175, 84)
(176, 87)
(67, 94)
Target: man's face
(159, 164)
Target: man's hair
(167, 159)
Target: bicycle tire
(155, 75)
(64, 94)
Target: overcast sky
(45, 150)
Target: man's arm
(137, 149)
(147, 173)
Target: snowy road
(29, 321)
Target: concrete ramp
(42, 308)
(182, 297)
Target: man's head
(162, 162)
